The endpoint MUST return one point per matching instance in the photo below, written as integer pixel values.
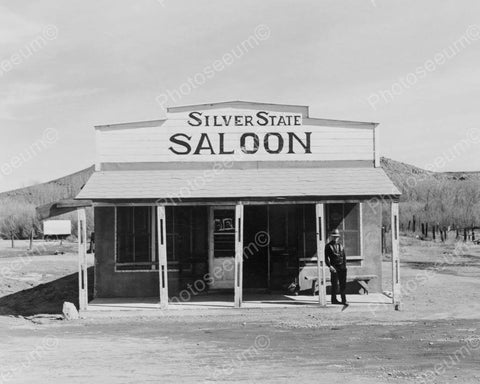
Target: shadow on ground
(45, 298)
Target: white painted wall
(330, 141)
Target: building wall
(109, 283)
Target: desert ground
(434, 339)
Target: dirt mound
(44, 298)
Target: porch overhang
(272, 184)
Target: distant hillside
(51, 191)
(18, 217)
(403, 175)
(446, 198)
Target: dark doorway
(255, 254)
(279, 240)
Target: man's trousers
(340, 278)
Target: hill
(69, 186)
(18, 217)
(445, 198)
(403, 174)
(62, 188)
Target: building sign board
(230, 134)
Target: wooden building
(236, 196)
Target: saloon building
(235, 197)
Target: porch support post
(82, 260)
(162, 256)
(238, 255)
(153, 239)
(396, 288)
(320, 235)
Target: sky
(412, 66)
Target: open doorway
(256, 248)
(278, 241)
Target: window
(133, 234)
(136, 227)
(346, 218)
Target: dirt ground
(434, 339)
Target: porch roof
(238, 183)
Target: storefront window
(346, 218)
(135, 230)
(133, 237)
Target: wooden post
(414, 224)
(82, 260)
(238, 255)
(426, 230)
(162, 256)
(433, 232)
(320, 235)
(30, 246)
(153, 239)
(396, 288)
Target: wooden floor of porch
(369, 302)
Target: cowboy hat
(335, 233)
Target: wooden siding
(150, 143)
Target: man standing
(337, 263)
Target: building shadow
(45, 298)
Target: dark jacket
(335, 257)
